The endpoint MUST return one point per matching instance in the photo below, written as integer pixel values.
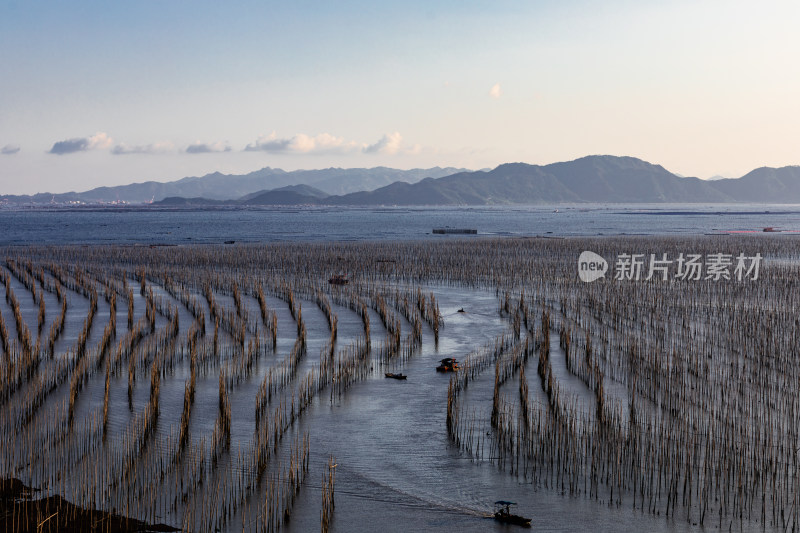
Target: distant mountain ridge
(302, 189)
(218, 186)
(765, 184)
(601, 179)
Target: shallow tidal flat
(234, 387)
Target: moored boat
(448, 364)
(502, 513)
(454, 231)
(395, 376)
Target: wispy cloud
(414, 150)
(207, 148)
(496, 92)
(9, 149)
(392, 144)
(301, 143)
(324, 143)
(97, 141)
(388, 144)
(154, 148)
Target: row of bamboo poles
(123, 468)
(677, 397)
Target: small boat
(448, 364)
(395, 376)
(454, 231)
(502, 513)
(338, 279)
(461, 310)
(230, 242)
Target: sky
(108, 93)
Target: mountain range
(218, 186)
(602, 179)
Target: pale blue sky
(104, 93)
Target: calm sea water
(402, 223)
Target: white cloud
(414, 150)
(208, 148)
(388, 144)
(155, 148)
(9, 149)
(496, 92)
(324, 143)
(99, 140)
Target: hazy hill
(180, 201)
(300, 190)
(289, 195)
(280, 197)
(589, 179)
(338, 181)
(769, 185)
(627, 179)
(218, 186)
(606, 179)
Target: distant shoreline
(627, 208)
